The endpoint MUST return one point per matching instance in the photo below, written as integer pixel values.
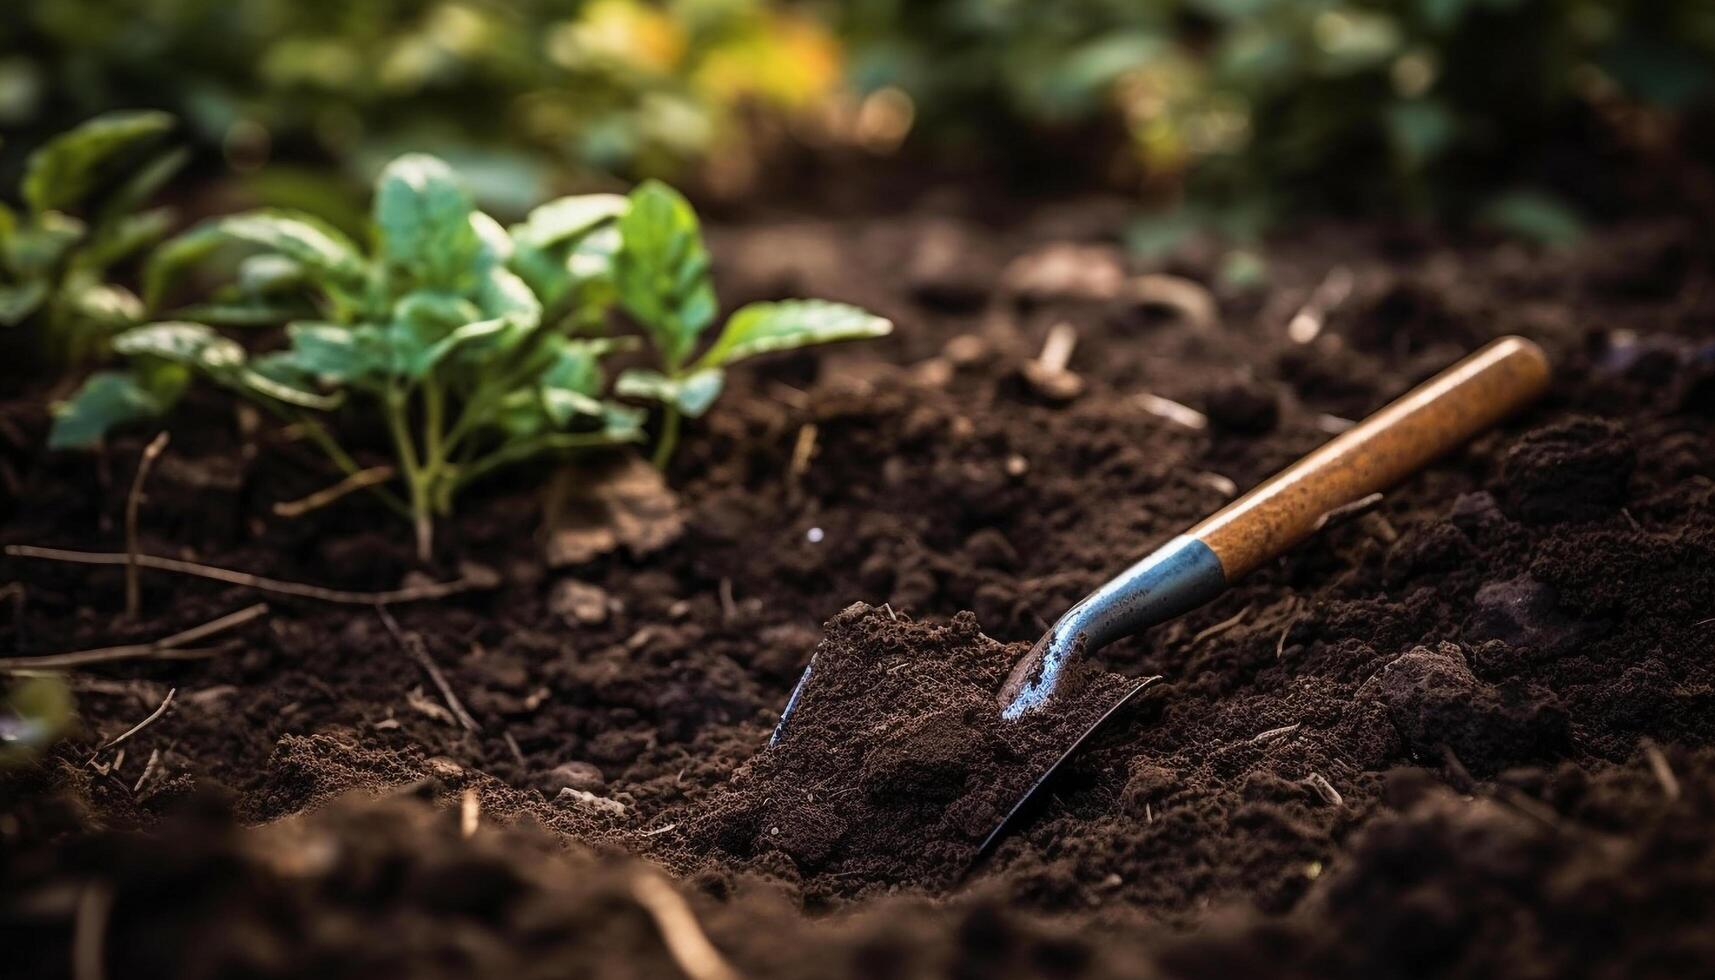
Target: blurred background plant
(514, 92)
(1236, 112)
(34, 712)
(83, 210)
(1247, 110)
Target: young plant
(475, 346)
(661, 274)
(433, 334)
(80, 195)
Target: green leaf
(691, 394)
(423, 214)
(39, 246)
(268, 274)
(337, 354)
(236, 314)
(114, 398)
(108, 305)
(142, 185)
(763, 327)
(304, 239)
(662, 270)
(120, 239)
(435, 312)
(191, 344)
(567, 218)
(19, 301)
(1535, 217)
(67, 168)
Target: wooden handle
(1378, 452)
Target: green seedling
(475, 346)
(662, 276)
(82, 212)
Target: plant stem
(422, 516)
(669, 437)
(342, 459)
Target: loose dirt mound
(895, 765)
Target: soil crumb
(895, 764)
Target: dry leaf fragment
(598, 506)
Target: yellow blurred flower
(623, 31)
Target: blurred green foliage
(81, 211)
(34, 713)
(1263, 106)
(1246, 109)
(499, 87)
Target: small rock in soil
(1245, 407)
(1521, 612)
(574, 775)
(590, 801)
(1576, 470)
(579, 602)
(1436, 701)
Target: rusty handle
(1431, 419)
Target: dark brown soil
(1471, 732)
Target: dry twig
(1346, 512)
(1172, 411)
(1663, 772)
(680, 932)
(167, 647)
(1274, 733)
(1222, 626)
(133, 501)
(1320, 785)
(419, 593)
(470, 813)
(89, 932)
(413, 645)
(360, 480)
(154, 716)
(148, 770)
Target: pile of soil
(895, 765)
(1471, 730)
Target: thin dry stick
(803, 450)
(1347, 511)
(148, 770)
(1057, 348)
(433, 590)
(470, 813)
(88, 939)
(729, 608)
(684, 938)
(1274, 733)
(1663, 772)
(133, 501)
(413, 645)
(360, 480)
(136, 651)
(1323, 788)
(1222, 626)
(154, 716)
(1172, 411)
(512, 745)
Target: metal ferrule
(1175, 578)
